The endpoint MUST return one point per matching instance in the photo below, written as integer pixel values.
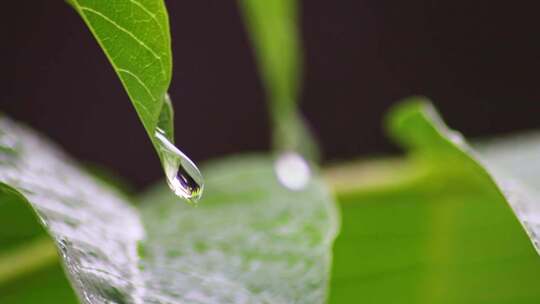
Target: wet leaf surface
(250, 241)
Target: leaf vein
(138, 80)
(127, 32)
(152, 15)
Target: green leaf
(441, 232)
(29, 268)
(273, 29)
(517, 158)
(134, 34)
(251, 241)
(48, 285)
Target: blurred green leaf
(47, 285)
(441, 232)
(515, 163)
(29, 268)
(134, 34)
(250, 241)
(273, 28)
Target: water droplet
(292, 170)
(183, 176)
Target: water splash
(292, 170)
(183, 176)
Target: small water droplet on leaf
(292, 170)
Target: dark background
(479, 61)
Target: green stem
(376, 175)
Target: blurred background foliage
(477, 62)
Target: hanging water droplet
(292, 170)
(183, 176)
